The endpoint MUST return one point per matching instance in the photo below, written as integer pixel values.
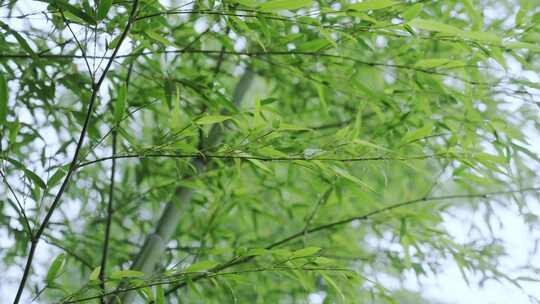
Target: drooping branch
(218, 270)
(268, 158)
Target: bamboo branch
(217, 271)
(110, 212)
(73, 163)
(267, 158)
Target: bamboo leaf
(56, 177)
(20, 39)
(367, 5)
(94, 275)
(157, 37)
(103, 9)
(66, 6)
(212, 119)
(55, 268)
(280, 5)
(305, 252)
(413, 11)
(160, 295)
(333, 284)
(126, 274)
(201, 266)
(3, 100)
(120, 104)
(260, 164)
(31, 175)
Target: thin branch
(79, 46)
(110, 209)
(264, 53)
(73, 164)
(20, 208)
(322, 200)
(265, 158)
(110, 212)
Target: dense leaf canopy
(260, 151)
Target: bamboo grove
(246, 151)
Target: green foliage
(261, 151)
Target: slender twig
(19, 210)
(73, 163)
(267, 159)
(322, 200)
(90, 71)
(110, 212)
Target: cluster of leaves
(243, 150)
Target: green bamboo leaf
(367, 5)
(438, 63)
(212, 119)
(352, 178)
(267, 101)
(435, 26)
(201, 266)
(126, 274)
(66, 6)
(103, 9)
(314, 45)
(522, 45)
(55, 268)
(257, 252)
(3, 100)
(323, 261)
(413, 11)
(20, 39)
(248, 3)
(333, 284)
(260, 164)
(305, 252)
(94, 275)
(31, 175)
(120, 104)
(291, 127)
(280, 5)
(56, 177)
(160, 295)
(147, 294)
(369, 144)
(417, 134)
(157, 37)
(14, 131)
(403, 228)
